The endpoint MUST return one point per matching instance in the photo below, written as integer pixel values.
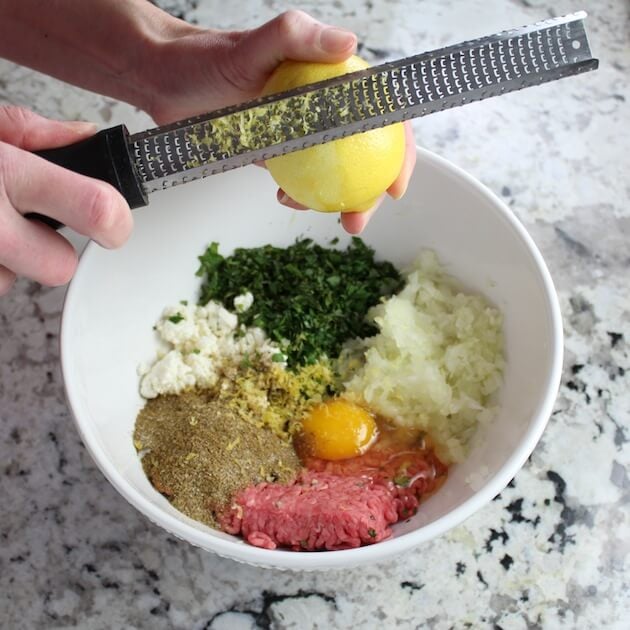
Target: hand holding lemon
(350, 175)
(208, 69)
(182, 70)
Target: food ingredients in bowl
(269, 395)
(198, 453)
(238, 364)
(202, 343)
(307, 298)
(316, 511)
(340, 504)
(436, 361)
(330, 424)
(337, 429)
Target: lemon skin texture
(347, 175)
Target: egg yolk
(338, 429)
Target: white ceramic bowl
(116, 297)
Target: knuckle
(99, 210)
(289, 22)
(63, 267)
(109, 219)
(11, 166)
(14, 114)
(14, 122)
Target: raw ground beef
(317, 511)
(414, 473)
(417, 467)
(336, 504)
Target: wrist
(112, 48)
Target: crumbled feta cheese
(243, 302)
(168, 375)
(177, 324)
(207, 344)
(253, 342)
(202, 342)
(220, 320)
(203, 369)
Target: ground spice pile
(198, 452)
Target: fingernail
(334, 39)
(400, 194)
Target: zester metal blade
(360, 101)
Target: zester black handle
(105, 156)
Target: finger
(31, 249)
(285, 200)
(399, 187)
(291, 35)
(355, 222)
(352, 222)
(7, 280)
(27, 130)
(260, 163)
(87, 205)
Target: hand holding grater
(145, 162)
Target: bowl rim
(289, 560)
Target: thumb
(292, 35)
(27, 130)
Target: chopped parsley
(311, 296)
(402, 480)
(176, 318)
(372, 533)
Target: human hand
(29, 183)
(193, 70)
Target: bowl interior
(116, 297)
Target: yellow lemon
(337, 429)
(345, 175)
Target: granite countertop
(551, 551)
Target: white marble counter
(550, 552)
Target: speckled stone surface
(550, 552)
